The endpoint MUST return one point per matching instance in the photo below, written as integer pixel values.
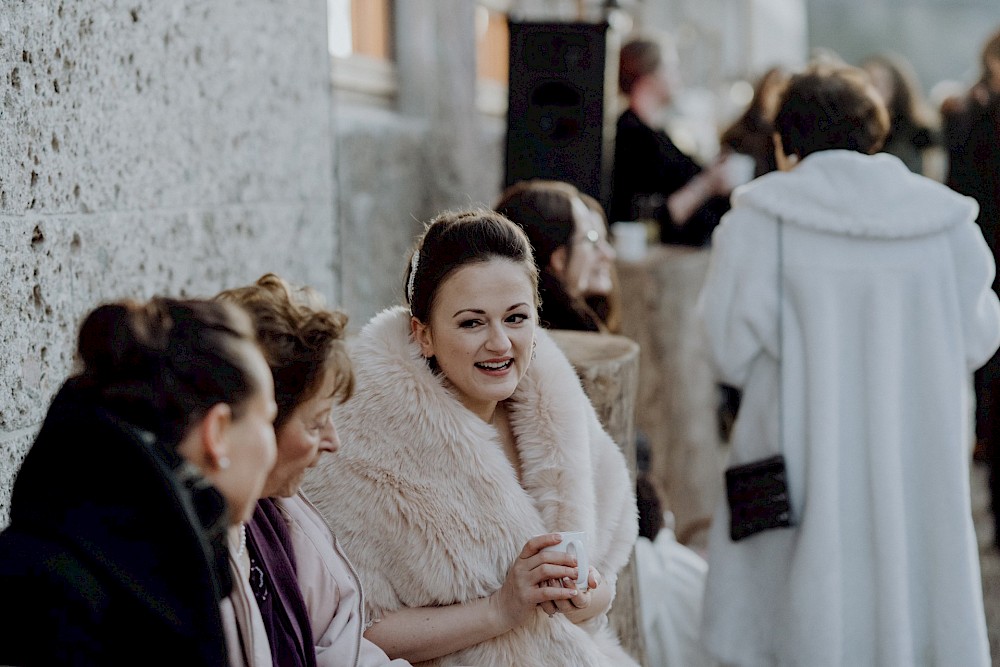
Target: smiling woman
(467, 444)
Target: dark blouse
(648, 168)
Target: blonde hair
(301, 340)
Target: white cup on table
(630, 240)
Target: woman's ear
(784, 161)
(558, 261)
(213, 430)
(422, 334)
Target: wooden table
(677, 407)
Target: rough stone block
(38, 313)
(12, 451)
(144, 104)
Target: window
(360, 42)
(492, 45)
(492, 60)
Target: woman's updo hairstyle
(830, 107)
(455, 239)
(544, 210)
(161, 365)
(301, 340)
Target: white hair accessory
(413, 274)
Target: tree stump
(678, 394)
(608, 367)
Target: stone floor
(989, 557)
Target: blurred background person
(752, 133)
(116, 553)
(569, 239)
(850, 299)
(651, 177)
(913, 135)
(972, 135)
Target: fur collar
(845, 192)
(431, 512)
(547, 415)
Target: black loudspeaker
(555, 111)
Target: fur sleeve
(738, 300)
(617, 514)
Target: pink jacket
(331, 591)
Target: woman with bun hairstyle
(299, 596)
(467, 443)
(115, 552)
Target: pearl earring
(223, 462)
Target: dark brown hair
(544, 210)
(301, 340)
(161, 365)
(907, 112)
(830, 107)
(636, 59)
(453, 240)
(991, 49)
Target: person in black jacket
(652, 177)
(115, 552)
(972, 133)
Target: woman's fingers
(537, 543)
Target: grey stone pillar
(608, 367)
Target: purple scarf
(276, 587)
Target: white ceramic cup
(574, 543)
(630, 240)
(739, 169)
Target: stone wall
(151, 147)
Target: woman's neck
(646, 105)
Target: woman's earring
(534, 344)
(223, 462)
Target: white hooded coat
(430, 511)
(887, 309)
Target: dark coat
(106, 560)
(972, 133)
(648, 168)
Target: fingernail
(573, 591)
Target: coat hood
(849, 193)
